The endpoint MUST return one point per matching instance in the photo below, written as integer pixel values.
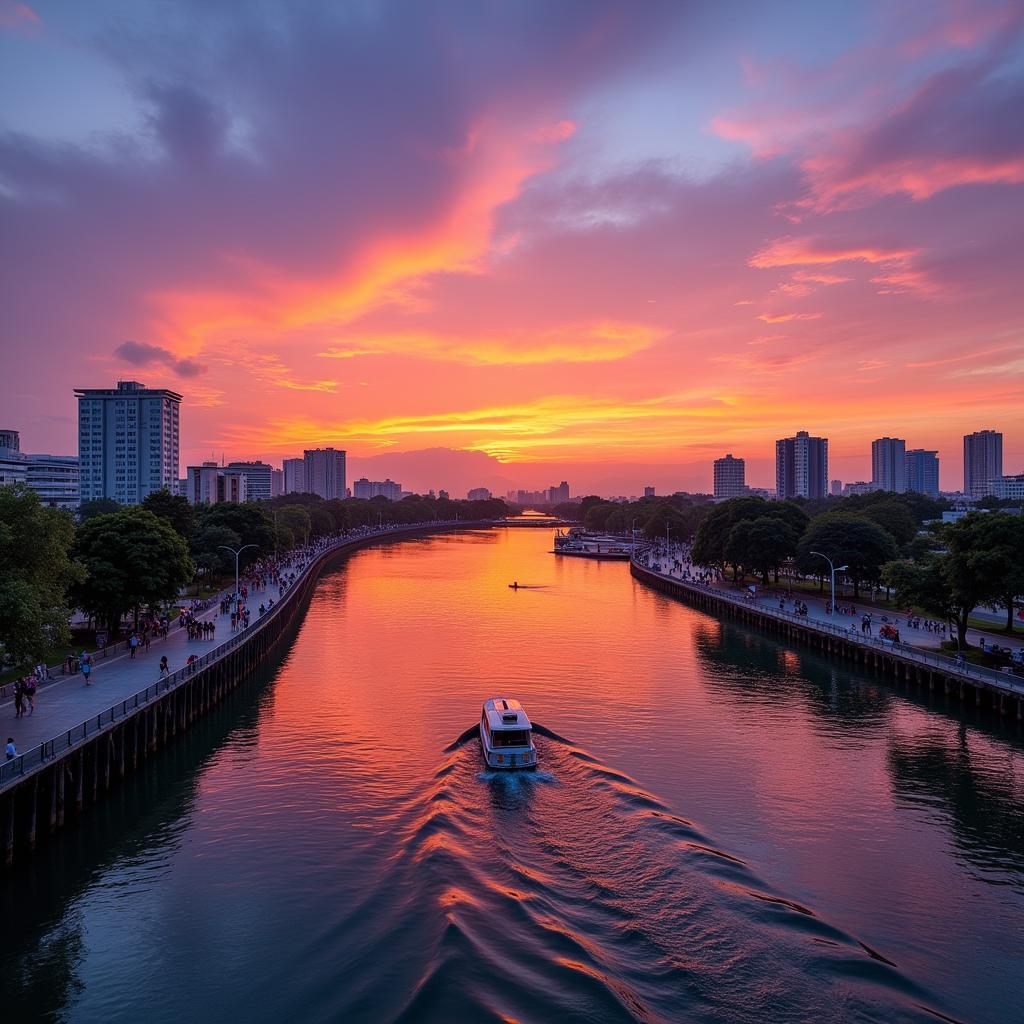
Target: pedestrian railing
(43, 752)
(975, 673)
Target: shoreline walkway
(66, 705)
(1002, 681)
(767, 598)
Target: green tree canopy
(175, 508)
(96, 507)
(36, 571)
(208, 544)
(895, 518)
(986, 557)
(761, 545)
(850, 540)
(132, 559)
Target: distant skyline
(593, 240)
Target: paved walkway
(67, 702)
(817, 609)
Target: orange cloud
(834, 188)
(575, 343)
(382, 271)
(781, 318)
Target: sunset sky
(606, 241)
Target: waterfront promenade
(836, 635)
(68, 712)
(817, 608)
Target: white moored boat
(506, 735)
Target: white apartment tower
(128, 440)
(889, 464)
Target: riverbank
(75, 766)
(1002, 692)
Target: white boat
(506, 736)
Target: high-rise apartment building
(366, 489)
(325, 472)
(648, 492)
(801, 466)
(889, 464)
(983, 461)
(922, 473)
(295, 476)
(209, 484)
(10, 440)
(127, 441)
(560, 494)
(276, 483)
(730, 477)
(836, 488)
(478, 494)
(258, 478)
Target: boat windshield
(510, 737)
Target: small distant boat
(580, 544)
(506, 736)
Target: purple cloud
(138, 353)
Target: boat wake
(572, 893)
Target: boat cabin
(506, 736)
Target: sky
(601, 241)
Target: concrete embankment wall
(62, 787)
(907, 667)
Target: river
(728, 830)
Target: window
(510, 738)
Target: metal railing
(46, 751)
(971, 673)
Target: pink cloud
(781, 318)
(18, 17)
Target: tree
(986, 555)
(847, 539)
(296, 519)
(932, 586)
(132, 559)
(249, 521)
(761, 545)
(711, 540)
(596, 516)
(208, 544)
(175, 508)
(664, 515)
(36, 571)
(96, 507)
(895, 518)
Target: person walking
(12, 750)
(86, 668)
(133, 644)
(165, 669)
(30, 694)
(19, 697)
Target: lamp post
(832, 572)
(236, 554)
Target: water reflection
(734, 830)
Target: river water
(729, 829)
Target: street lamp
(236, 554)
(832, 570)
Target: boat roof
(505, 713)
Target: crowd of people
(259, 578)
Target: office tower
(983, 461)
(889, 464)
(730, 477)
(325, 472)
(478, 494)
(801, 466)
(258, 478)
(923, 472)
(836, 488)
(127, 441)
(648, 492)
(295, 476)
(276, 483)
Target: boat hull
(600, 556)
(517, 761)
